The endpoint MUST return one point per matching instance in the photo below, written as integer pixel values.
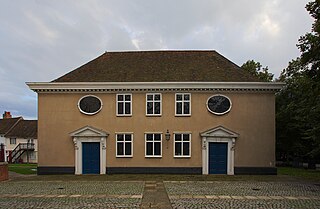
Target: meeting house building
(187, 112)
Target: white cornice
(161, 86)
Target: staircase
(19, 150)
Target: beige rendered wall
(252, 116)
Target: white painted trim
(153, 101)
(124, 155)
(124, 114)
(145, 145)
(96, 135)
(78, 152)
(174, 145)
(230, 153)
(182, 101)
(216, 112)
(152, 85)
(86, 113)
(208, 137)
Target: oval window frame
(216, 113)
(86, 113)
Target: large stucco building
(157, 112)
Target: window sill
(153, 156)
(124, 156)
(182, 157)
(183, 115)
(124, 115)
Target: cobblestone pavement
(78, 194)
(227, 194)
(154, 194)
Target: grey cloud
(42, 39)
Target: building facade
(157, 112)
(19, 139)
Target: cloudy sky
(41, 40)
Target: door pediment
(219, 131)
(89, 131)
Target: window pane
(179, 97)
(186, 137)
(186, 148)
(119, 137)
(149, 97)
(128, 97)
(149, 137)
(120, 108)
(128, 148)
(177, 137)
(157, 137)
(149, 148)
(157, 108)
(127, 108)
(149, 108)
(186, 97)
(157, 97)
(186, 108)
(179, 108)
(128, 137)
(120, 148)
(120, 97)
(157, 148)
(178, 148)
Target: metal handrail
(20, 147)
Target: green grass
(284, 174)
(160, 177)
(307, 174)
(23, 168)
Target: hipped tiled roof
(159, 66)
(7, 123)
(24, 129)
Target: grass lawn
(308, 174)
(284, 174)
(23, 168)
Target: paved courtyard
(230, 194)
(158, 194)
(72, 194)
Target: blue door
(90, 157)
(218, 158)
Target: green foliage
(255, 68)
(309, 44)
(298, 104)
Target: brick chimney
(6, 115)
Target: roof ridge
(19, 119)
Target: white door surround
(89, 134)
(221, 135)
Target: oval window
(90, 105)
(219, 104)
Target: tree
(255, 68)
(309, 44)
(298, 103)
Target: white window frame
(183, 101)
(124, 107)
(124, 141)
(174, 145)
(87, 113)
(13, 140)
(153, 101)
(145, 145)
